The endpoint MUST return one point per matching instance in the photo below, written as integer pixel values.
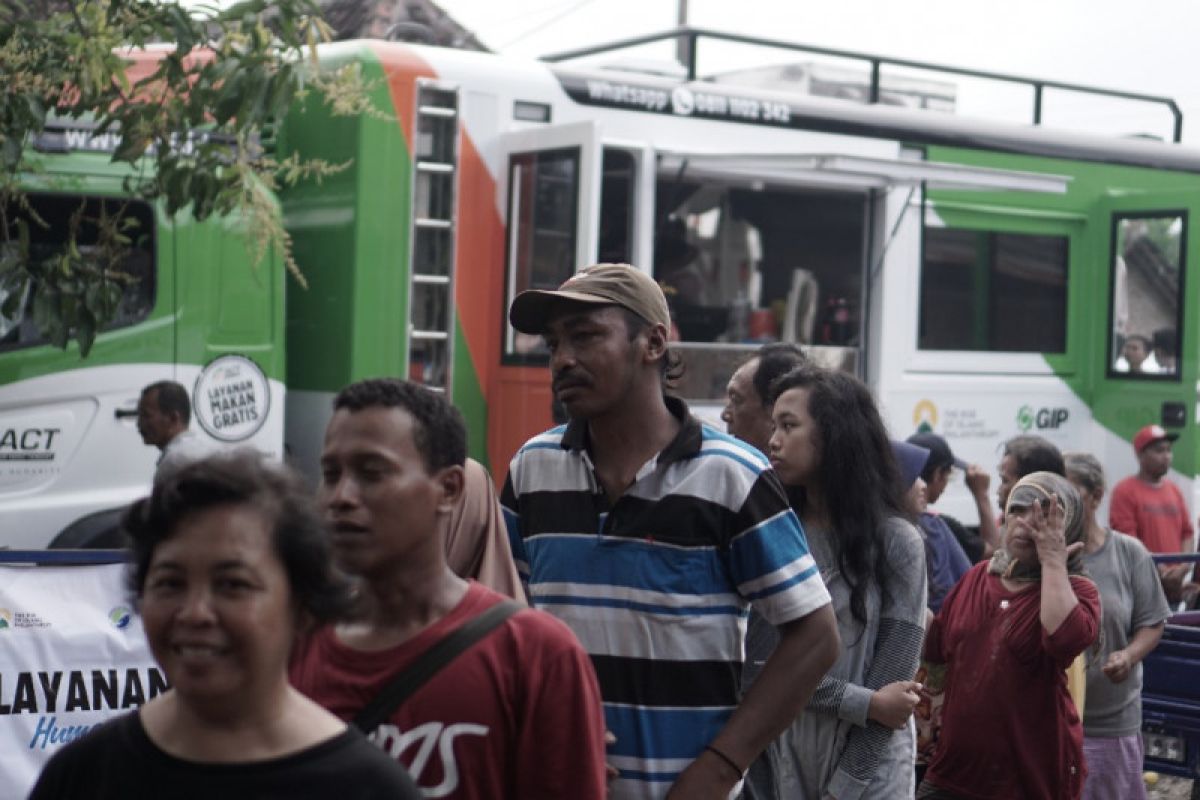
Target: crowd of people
(650, 608)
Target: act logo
(1042, 418)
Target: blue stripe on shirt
(667, 732)
(632, 563)
(547, 440)
(512, 525)
(771, 546)
(633, 605)
(801, 577)
(752, 454)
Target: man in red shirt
(1147, 505)
(517, 715)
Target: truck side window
(51, 215)
(992, 291)
(616, 207)
(1147, 276)
(543, 197)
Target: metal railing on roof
(692, 36)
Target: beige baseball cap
(601, 285)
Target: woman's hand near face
(1047, 527)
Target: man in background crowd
(747, 414)
(493, 722)
(1149, 507)
(1136, 355)
(1024, 455)
(1164, 350)
(936, 474)
(163, 415)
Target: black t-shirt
(972, 543)
(118, 761)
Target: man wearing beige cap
(1147, 505)
(651, 536)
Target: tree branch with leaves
(191, 95)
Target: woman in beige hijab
(1006, 633)
(476, 539)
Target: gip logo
(120, 617)
(1042, 418)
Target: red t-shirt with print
(1010, 730)
(1155, 514)
(518, 715)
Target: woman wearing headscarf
(1006, 633)
(476, 540)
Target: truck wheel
(100, 530)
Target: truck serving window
(1147, 277)
(994, 292)
(51, 216)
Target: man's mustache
(561, 382)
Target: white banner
(72, 655)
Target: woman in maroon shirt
(1006, 633)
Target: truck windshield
(47, 218)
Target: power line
(545, 24)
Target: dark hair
(774, 360)
(1164, 340)
(244, 477)
(440, 435)
(1034, 454)
(171, 398)
(940, 456)
(671, 363)
(861, 481)
(1086, 470)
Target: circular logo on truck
(231, 399)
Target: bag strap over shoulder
(401, 687)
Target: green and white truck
(986, 278)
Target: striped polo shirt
(658, 586)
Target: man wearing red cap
(1147, 505)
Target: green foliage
(189, 124)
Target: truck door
(550, 193)
(1146, 332)
(69, 446)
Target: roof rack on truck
(690, 38)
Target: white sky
(1146, 46)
